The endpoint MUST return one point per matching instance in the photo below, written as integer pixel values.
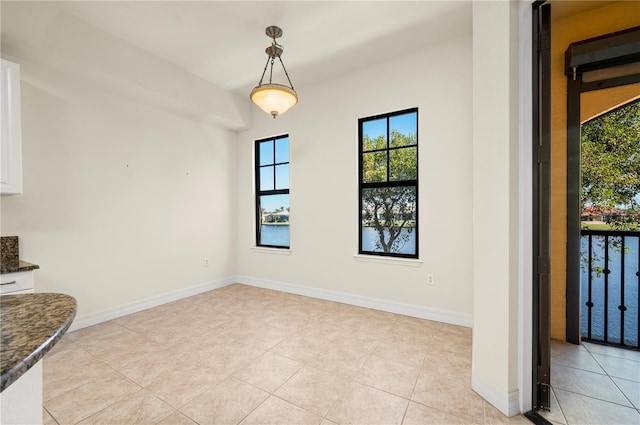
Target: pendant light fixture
(274, 99)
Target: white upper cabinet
(11, 152)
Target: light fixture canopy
(274, 99)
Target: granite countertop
(21, 266)
(30, 325)
(10, 256)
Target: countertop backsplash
(9, 253)
(10, 256)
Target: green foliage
(389, 209)
(596, 226)
(374, 167)
(611, 165)
(402, 163)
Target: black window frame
(387, 183)
(274, 191)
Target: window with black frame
(388, 183)
(272, 192)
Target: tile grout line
(255, 408)
(610, 355)
(352, 379)
(593, 397)
(50, 414)
(92, 381)
(633, 406)
(432, 407)
(300, 407)
(553, 392)
(579, 368)
(596, 398)
(174, 411)
(424, 358)
(302, 365)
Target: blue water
(279, 236)
(275, 235)
(615, 287)
(370, 236)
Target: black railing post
(622, 307)
(590, 301)
(606, 288)
(590, 330)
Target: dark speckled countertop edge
(21, 367)
(23, 266)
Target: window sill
(276, 251)
(409, 262)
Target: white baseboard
(362, 301)
(506, 402)
(146, 303)
(324, 294)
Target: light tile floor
(244, 355)
(594, 384)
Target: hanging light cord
(271, 59)
(286, 73)
(265, 70)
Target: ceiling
(561, 9)
(224, 41)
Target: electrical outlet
(430, 279)
(205, 263)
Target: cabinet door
(11, 142)
(16, 283)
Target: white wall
(323, 130)
(130, 183)
(122, 199)
(502, 222)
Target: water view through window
(274, 228)
(608, 295)
(610, 226)
(272, 190)
(388, 180)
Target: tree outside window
(611, 169)
(388, 177)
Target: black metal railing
(611, 287)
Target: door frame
(541, 200)
(610, 51)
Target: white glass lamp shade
(274, 99)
